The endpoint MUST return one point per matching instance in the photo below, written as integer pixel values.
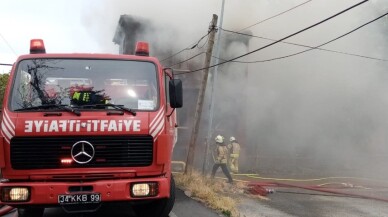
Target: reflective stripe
(156, 137)
(8, 126)
(156, 117)
(7, 140)
(157, 123)
(7, 117)
(6, 132)
(158, 128)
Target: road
(285, 202)
(305, 203)
(184, 207)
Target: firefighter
(221, 158)
(234, 151)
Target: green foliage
(227, 213)
(3, 85)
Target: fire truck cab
(82, 130)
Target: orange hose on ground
(314, 188)
(5, 210)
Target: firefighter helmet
(219, 139)
(232, 139)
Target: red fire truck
(80, 131)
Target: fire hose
(255, 176)
(259, 187)
(263, 188)
(5, 210)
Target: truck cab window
(61, 81)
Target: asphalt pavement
(285, 202)
(184, 207)
(305, 203)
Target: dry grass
(211, 192)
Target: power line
(202, 46)
(185, 49)
(300, 45)
(187, 59)
(5, 40)
(262, 21)
(328, 42)
(276, 15)
(280, 40)
(5, 64)
(213, 28)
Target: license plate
(78, 198)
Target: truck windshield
(80, 82)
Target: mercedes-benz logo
(82, 152)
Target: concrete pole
(212, 94)
(201, 96)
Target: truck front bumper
(46, 193)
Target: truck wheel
(30, 212)
(157, 208)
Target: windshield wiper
(60, 106)
(120, 107)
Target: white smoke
(317, 110)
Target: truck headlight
(15, 194)
(148, 189)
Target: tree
(3, 85)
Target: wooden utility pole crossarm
(201, 96)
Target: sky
(64, 25)
(58, 23)
(69, 25)
(84, 26)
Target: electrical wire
(328, 42)
(186, 59)
(5, 64)
(257, 23)
(200, 47)
(300, 45)
(280, 40)
(211, 28)
(276, 15)
(199, 41)
(185, 49)
(269, 18)
(10, 47)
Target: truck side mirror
(176, 93)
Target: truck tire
(30, 212)
(157, 208)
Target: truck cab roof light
(142, 49)
(37, 46)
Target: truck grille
(47, 152)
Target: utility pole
(201, 96)
(212, 93)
